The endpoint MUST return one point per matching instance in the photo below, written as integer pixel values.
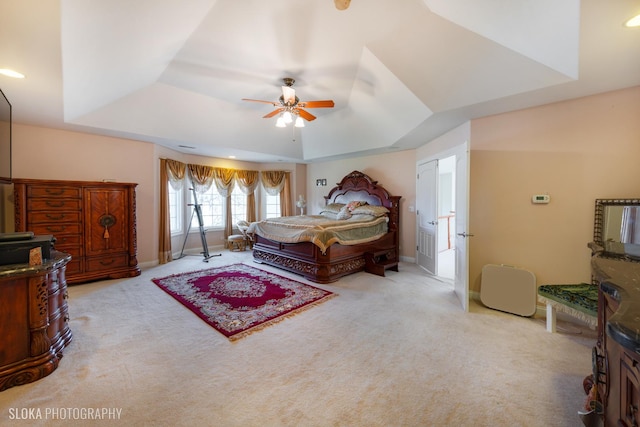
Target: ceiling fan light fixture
(299, 122)
(287, 117)
(280, 123)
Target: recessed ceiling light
(232, 157)
(633, 22)
(11, 73)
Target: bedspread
(321, 231)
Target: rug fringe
(271, 322)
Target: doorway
(446, 217)
(442, 221)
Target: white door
(427, 214)
(461, 279)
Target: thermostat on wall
(540, 198)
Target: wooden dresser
(34, 320)
(93, 221)
(616, 358)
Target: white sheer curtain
(629, 231)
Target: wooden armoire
(93, 221)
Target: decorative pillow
(330, 215)
(352, 205)
(344, 213)
(332, 207)
(370, 210)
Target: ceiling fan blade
(317, 104)
(273, 113)
(306, 115)
(259, 100)
(289, 95)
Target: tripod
(197, 210)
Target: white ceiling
(401, 72)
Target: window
(238, 206)
(212, 207)
(272, 206)
(176, 210)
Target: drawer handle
(107, 262)
(61, 216)
(55, 204)
(54, 192)
(56, 229)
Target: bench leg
(551, 319)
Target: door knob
(463, 234)
(432, 222)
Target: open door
(427, 215)
(461, 278)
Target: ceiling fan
(290, 107)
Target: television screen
(5, 139)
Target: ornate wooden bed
(306, 259)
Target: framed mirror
(617, 228)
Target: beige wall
(576, 151)
(44, 153)
(394, 171)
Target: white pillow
(344, 213)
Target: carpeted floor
(392, 351)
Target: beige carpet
(394, 351)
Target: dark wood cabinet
(619, 371)
(34, 320)
(616, 361)
(95, 222)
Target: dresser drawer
(72, 240)
(54, 191)
(56, 229)
(53, 204)
(74, 267)
(106, 262)
(55, 299)
(74, 250)
(53, 217)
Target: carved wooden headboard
(358, 186)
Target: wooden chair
(243, 226)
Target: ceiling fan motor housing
(290, 104)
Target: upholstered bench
(580, 301)
(236, 242)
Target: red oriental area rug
(238, 299)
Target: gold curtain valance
(225, 179)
